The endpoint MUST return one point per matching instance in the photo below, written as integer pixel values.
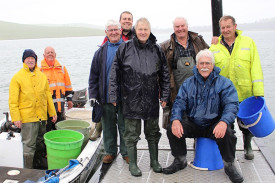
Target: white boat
(11, 161)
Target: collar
(45, 65)
(115, 44)
(26, 67)
(187, 43)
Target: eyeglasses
(113, 30)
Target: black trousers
(50, 125)
(227, 144)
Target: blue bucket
(207, 155)
(255, 115)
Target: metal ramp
(253, 171)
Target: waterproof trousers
(113, 122)
(32, 139)
(227, 144)
(133, 131)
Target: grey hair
(144, 20)
(205, 53)
(227, 17)
(112, 23)
(181, 18)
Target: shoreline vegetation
(12, 31)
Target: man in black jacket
(112, 118)
(140, 68)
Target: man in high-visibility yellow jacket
(59, 82)
(238, 58)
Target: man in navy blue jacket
(206, 106)
(112, 117)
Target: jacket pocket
(24, 105)
(244, 82)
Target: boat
(11, 161)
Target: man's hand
(177, 128)
(220, 129)
(163, 104)
(70, 104)
(18, 123)
(215, 40)
(92, 102)
(114, 103)
(54, 119)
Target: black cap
(29, 53)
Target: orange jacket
(59, 82)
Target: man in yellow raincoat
(30, 100)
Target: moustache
(204, 70)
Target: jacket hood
(45, 65)
(216, 71)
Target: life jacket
(59, 82)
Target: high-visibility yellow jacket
(30, 98)
(242, 66)
(59, 82)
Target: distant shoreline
(15, 31)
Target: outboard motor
(8, 125)
(80, 98)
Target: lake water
(76, 54)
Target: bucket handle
(197, 168)
(253, 124)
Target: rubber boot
(153, 150)
(248, 152)
(28, 161)
(97, 133)
(179, 163)
(133, 168)
(232, 172)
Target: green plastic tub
(83, 127)
(62, 145)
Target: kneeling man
(206, 106)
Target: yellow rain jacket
(59, 82)
(30, 98)
(242, 67)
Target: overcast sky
(159, 12)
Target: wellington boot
(133, 168)
(28, 161)
(248, 152)
(153, 149)
(97, 132)
(178, 164)
(232, 172)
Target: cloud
(160, 13)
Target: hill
(23, 31)
(265, 24)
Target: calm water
(77, 53)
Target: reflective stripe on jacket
(242, 67)
(59, 82)
(30, 98)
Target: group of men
(37, 102)
(206, 87)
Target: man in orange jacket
(60, 84)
